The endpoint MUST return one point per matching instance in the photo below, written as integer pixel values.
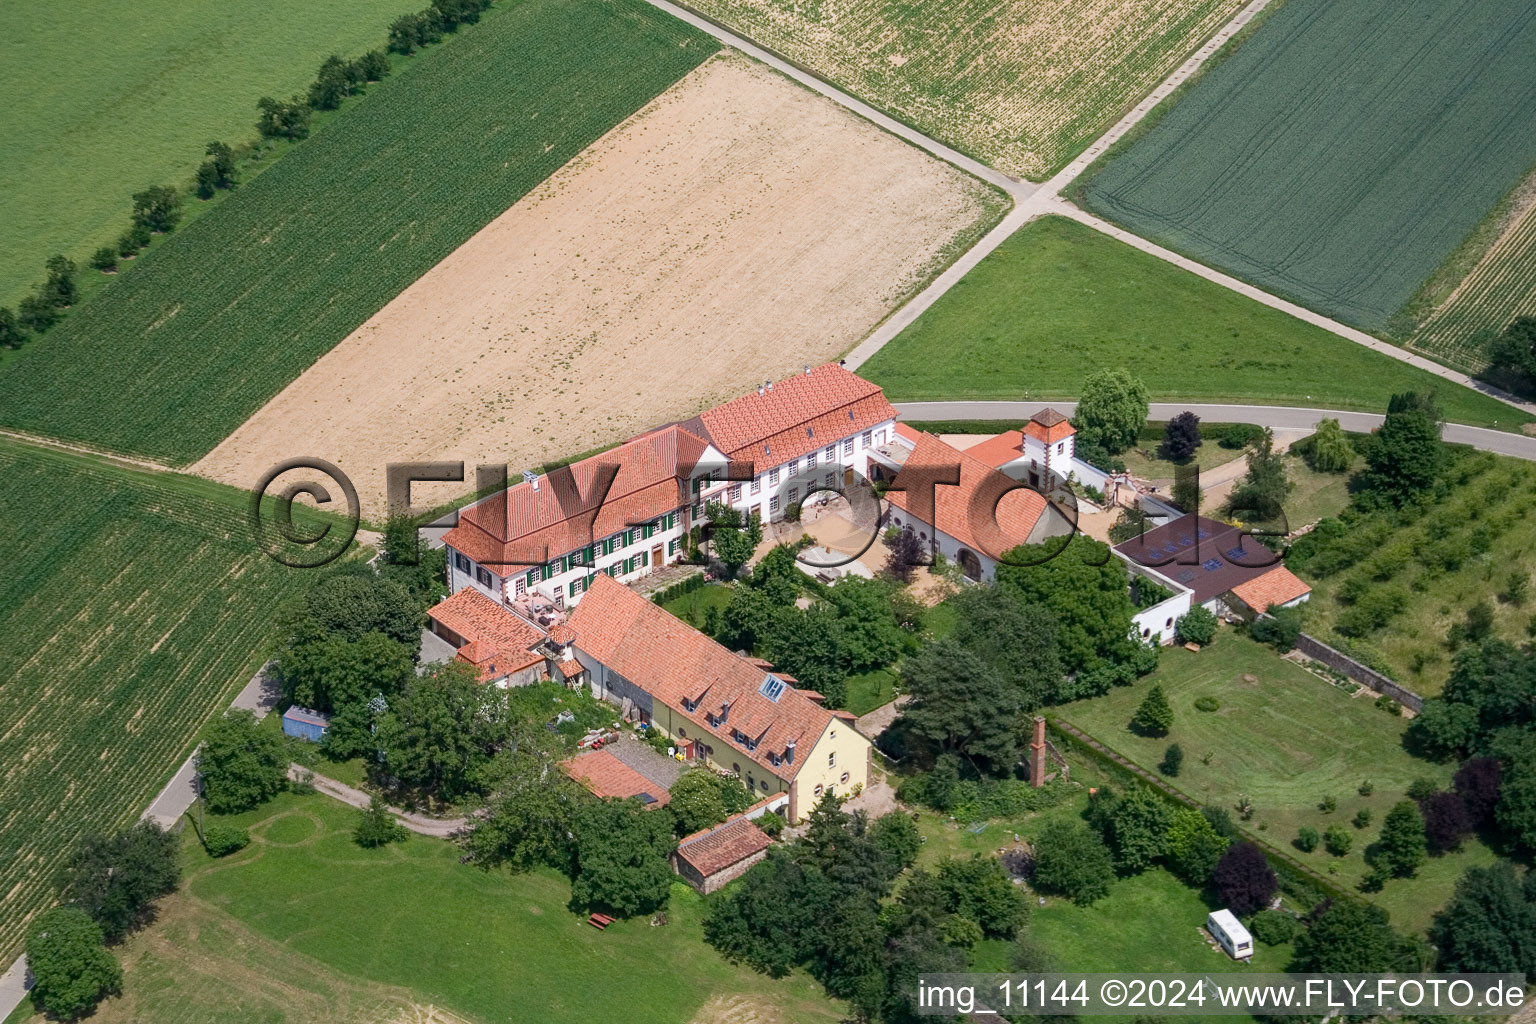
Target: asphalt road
(1278, 417)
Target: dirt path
(441, 828)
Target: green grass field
(103, 99)
(1286, 740)
(371, 930)
(1059, 300)
(1341, 153)
(134, 605)
(229, 310)
(693, 607)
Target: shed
(305, 724)
(709, 859)
(1230, 934)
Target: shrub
(157, 208)
(1207, 704)
(1072, 860)
(377, 827)
(1389, 705)
(1338, 840)
(792, 512)
(1279, 629)
(1197, 626)
(1274, 927)
(131, 241)
(1328, 804)
(771, 823)
(104, 259)
(221, 840)
(1362, 818)
(1306, 839)
(1366, 788)
(1240, 435)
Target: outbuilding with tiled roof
(501, 645)
(713, 857)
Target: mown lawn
(1286, 739)
(870, 690)
(103, 99)
(1058, 301)
(1315, 495)
(695, 605)
(229, 310)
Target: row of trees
(412, 31)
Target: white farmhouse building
(537, 547)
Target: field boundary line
(126, 461)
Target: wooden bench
(599, 921)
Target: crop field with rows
(1342, 152)
(168, 359)
(1023, 85)
(134, 606)
(1499, 288)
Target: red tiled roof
(607, 776)
(715, 849)
(998, 451)
(672, 661)
(560, 633)
(523, 526)
(1277, 586)
(570, 668)
(965, 511)
(799, 415)
(496, 641)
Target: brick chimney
(1037, 755)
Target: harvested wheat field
(735, 228)
(1023, 85)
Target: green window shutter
(533, 577)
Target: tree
(1086, 590)
(1406, 457)
(70, 964)
(1306, 839)
(1274, 927)
(982, 890)
(1244, 879)
(1154, 715)
(351, 605)
(868, 636)
(1489, 925)
(766, 921)
(1513, 349)
(1477, 783)
(60, 290)
(1072, 860)
(332, 84)
(409, 31)
(1338, 840)
(1194, 846)
(103, 259)
(223, 160)
(531, 816)
(1446, 822)
(733, 536)
(1330, 450)
(696, 801)
(1196, 626)
(205, 181)
(621, 857)
(895, 835)
(241, 764)
(376, 826)
(1280, 628)
(117, 878)
(131, 241)
(11, 334)
(1135, 825)
(332, 672)
(1173, 761)
(440, 730)
(157, 208)
(1181, 437)
(1017, 642)
(36, 314)
(279, 120)
(960, 705)
(1260, 495)
(1111, 411)
(372, 66)
(1401, 848)
(906, 554)
(1351, 937)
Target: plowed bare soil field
(734, 229)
